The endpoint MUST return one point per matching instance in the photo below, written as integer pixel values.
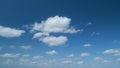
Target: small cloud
(87, 45)
(37, 57)
(8, 55)
(10, 32)
(53, 52)
(67, 62)
(25, 55)
(98, 58)
(70, 56)
(54, 41)
(113, 52)
(25, 47)
(84, 54)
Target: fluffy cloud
(113, 52)
(25, 47)
(53, 52)
(10, 32)
(55, 24)
(87, 45)
(54, 41)
(84, 54)
(8, 55)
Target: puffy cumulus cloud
(55, 24)
(53, 52)
(10, 32)
(54, 41)
(25, 47)
(84, 54)
(87, 45)
(113, 52)
(8, 55)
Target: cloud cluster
(57, 24)
(10, 32)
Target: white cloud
(54, 41)
(37, 57)
(53, 52)
(10, 32)
(40, 35)
(25, 47)
(70, 56)
(98, 58)
(67, 62)
(84, 54)
(113, 52)
(55, 24)
(25, 55)
(8, 55)
(87, 45)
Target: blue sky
(59, 33)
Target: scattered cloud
(84, 54)
(8, 55)
(113, 52)
(10, 32)
(54, 41)
(87, 45)
(53, 52)
(25, 47)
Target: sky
(59, 33)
